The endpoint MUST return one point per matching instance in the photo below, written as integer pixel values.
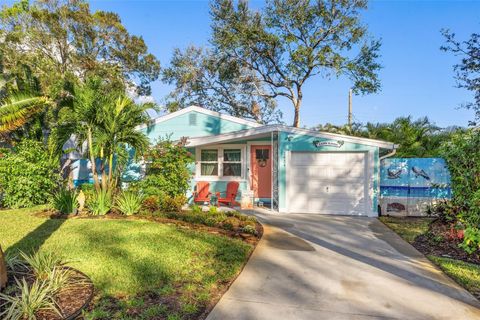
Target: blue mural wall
(408, 185)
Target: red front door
(261, 167)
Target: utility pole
(350, 108)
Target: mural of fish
(395, 207)
(420, 172)
(394, 174)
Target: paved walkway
(332, 267)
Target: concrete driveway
(335, 267)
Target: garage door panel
(327, 172)
(330, 183)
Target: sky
(417, 78)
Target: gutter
(388, 155)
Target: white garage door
(327, 182)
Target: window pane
(232, 169)
(231, 155)
(209, 155)
(209, 169)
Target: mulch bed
(70, 301)
(248, 238)
(438, 241)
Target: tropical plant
(66, 201)
(29, 302)
(28, 173)
(106, 122)
(167, 170)
(416, 138)
(288, 42)
(42, 263)
(16, 107)
(101, 202)
(129, 203)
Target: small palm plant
(129, 203)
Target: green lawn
(126, 258)
(407, 227)
(466, 274)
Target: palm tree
(16, 109)
(104, 123)
(117, 134)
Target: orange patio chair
(230, 194)
(202, 192)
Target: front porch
(252, 162)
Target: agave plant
(129, 203)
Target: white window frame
(220, 177)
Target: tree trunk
(296, 105)
(3, 270)
(96, 183)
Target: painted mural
(409, 185)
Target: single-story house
(289, 169)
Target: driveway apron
(337, 267)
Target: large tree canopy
(290, 41)
(214, 81)
(467, 71)
(62, 41)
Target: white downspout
(388, 155)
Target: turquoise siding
(300, 142)
(180, 126)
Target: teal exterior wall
(300, 142)
(181, 126)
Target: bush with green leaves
(28, 174)
(167, 171)
(129, 203)
(462, 155)
(66, 201)
(100, 203)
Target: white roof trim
(200, 110)
(237, 135)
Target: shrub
(151, 203)
(172, 204)
(463, 160)
(250, 229)
(66, 201)
(167, 171)
(101, 203)
(471, 240)
(27, 174)
(196, 208)
(129, 203)
(230, 223)
(32, 298)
